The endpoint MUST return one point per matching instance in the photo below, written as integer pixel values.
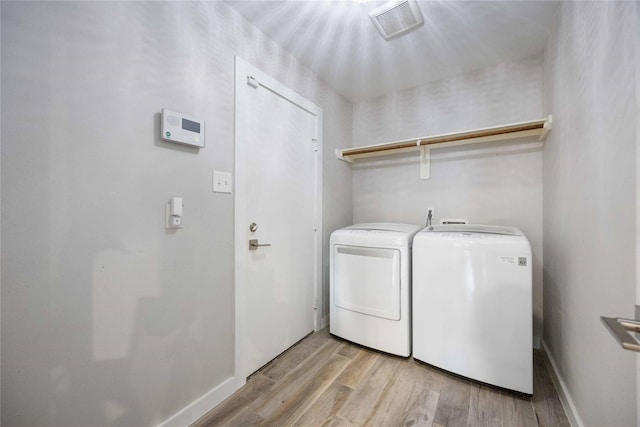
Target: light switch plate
(221, 182)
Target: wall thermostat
(183, 129)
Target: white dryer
(472, 310)
(370, 285)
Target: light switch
(221, 182)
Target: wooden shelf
(534, 128)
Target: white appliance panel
(367, 280)
(370, 285)
(472, 310)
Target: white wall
(108, 319)
(589, 206)
(493, 183)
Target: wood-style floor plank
(356, 370)
(326, 381)
(336, 421)
(453, 405)
(326, 406)
(363, 401)
(349, 350)
(289, 360)
(301, 399)
(423, 401)
(391, 407)
(421, 411)
(246, 418)
(485, 406)
(237, 402)
(430, 378)
(271, 402)
(517, 411)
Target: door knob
(253, 244)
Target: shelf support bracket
(425, 162)
(340, 156)
(546, 127)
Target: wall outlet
(432, 211)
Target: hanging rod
(538, 128)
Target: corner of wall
(637, 25)
(324, 322)
(0, 220)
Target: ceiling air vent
(396, 18)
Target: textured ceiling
(337, 40)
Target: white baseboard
(196, 409)
(565, 397)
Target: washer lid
(475, 228)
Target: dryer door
(367, 280)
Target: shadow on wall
(440, 156)
(128, 357)
(105, 321)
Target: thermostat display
(189, 125)
(183, 129)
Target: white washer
(370, 285)
(472, 310)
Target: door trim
(247, 74)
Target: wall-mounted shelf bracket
(535, 128)
(425, 162)
(341, 156)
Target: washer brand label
(521, 260)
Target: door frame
(637, 123)
(260, 81)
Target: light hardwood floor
(326, 381)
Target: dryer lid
(385, 227)
(476, 228)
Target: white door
(277, 199)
